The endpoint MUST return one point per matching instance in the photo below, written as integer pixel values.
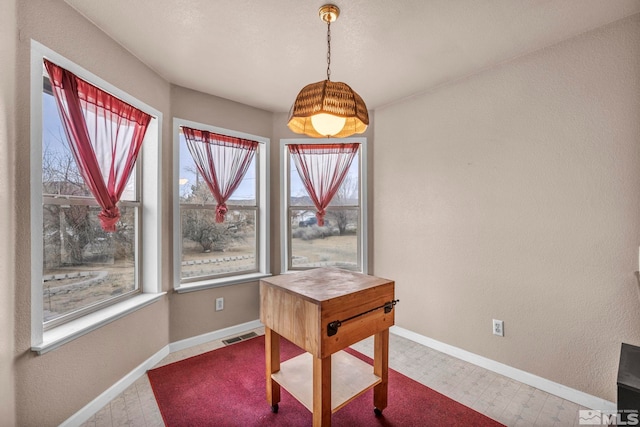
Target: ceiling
(261, 53)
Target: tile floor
(501, 398)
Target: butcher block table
(323, 311)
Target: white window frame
(284, 198)
(151, 236)
(262, 219)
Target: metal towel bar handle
(332, 327)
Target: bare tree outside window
(346, 219)
(199, 225)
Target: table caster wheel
(274, 408)
(377, 411)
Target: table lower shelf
(350, 377)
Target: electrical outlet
(219, 304)
(498, 327)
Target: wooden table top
(323, 284)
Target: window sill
(60, 335)
(215, 283)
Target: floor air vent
(239, 338)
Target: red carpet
(226, 387)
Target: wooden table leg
(322, 392)
(272, 354)
(381, 369)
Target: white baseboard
(568, 393)
(96, 404)
(215, 335)
(99, 402)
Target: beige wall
(8, 39)
(215, 111)
(514, 194)
(193, 313)
(52, 387)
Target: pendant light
(326, 108)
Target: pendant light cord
(329, 50)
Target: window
(213, 250)
(341, 240)
(79, 269)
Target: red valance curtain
(322, 168)
(105, 135)
(222, 162)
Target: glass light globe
(327, 124)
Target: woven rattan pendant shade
(326, 98)
(329, 97)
